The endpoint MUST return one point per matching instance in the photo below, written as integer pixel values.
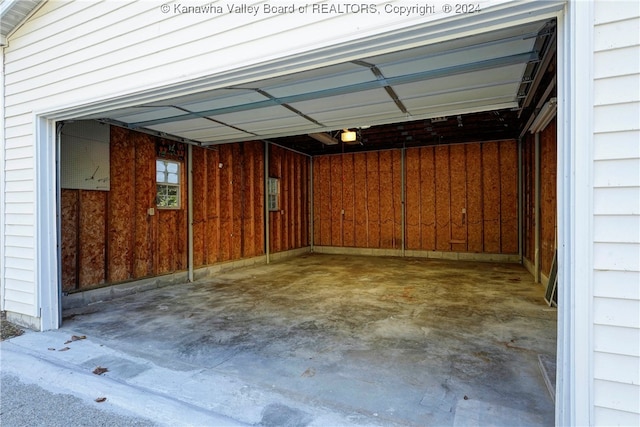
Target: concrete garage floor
(381, 341)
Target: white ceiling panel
(357, 75)
(504, 93)
(412, 94)
(302, 77)
(446, 60)
(242, 118)
(150, 114)
(184, 125)
(238, 97)
(354, 100)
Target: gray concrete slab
(333, 340)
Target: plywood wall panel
(145, 194)
(121, 224)
(508, 197)
(387, 215)
(443, 199)
(324, 177)
(455, 200)
(396, 171)
(548, 196)
(348, 202)
(491, 196)
(317, 200)
(226, 202)
(427, 199)
(237, 193)
(528, 198)
(413, 203)
(458, 173)
(248, 185)
(289, 226)
(360, 197)
(258, 188)
(199, 191)
(336, 200)
(92, 237)
(69, 233)
(373, 199)
(475, 232)
(212, 209)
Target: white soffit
(470, 74)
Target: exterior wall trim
(574, 405)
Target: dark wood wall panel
(413, 200)
(528, 198)
(373, 199)
(289, 227)
(92, 237)
(491, 196)
(348, 202)
(548, 196)
(357, 200)
(509, 198)
(110, 236)
(475, 205)
(458, 203)
(456, 199)
(443, 199)
(199, 191)
(427, 206)
(144, 254)
(212, 207)
(120, 219)
(360, 200)
(69, 245)
(228, 218)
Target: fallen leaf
(310, 372)
(100, 370)
(101, 399)
(64, 349)
(78, 337)
(68, 342)
(51, 349)
(466, 397)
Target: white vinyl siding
(616, 222)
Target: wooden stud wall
(462, 198)
(548, 196)
(357, 200)
(109, 237)
(528, 197)
(289, 227)
(459, 198)
(228, 203)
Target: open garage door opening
(404, 196)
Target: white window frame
(166, 185)
(273, 194)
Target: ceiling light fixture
(348, 136)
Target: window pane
(160, 167)
(172, 191)
(172, 178)
(172, 167)
(160, 177)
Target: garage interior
(398, 277)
